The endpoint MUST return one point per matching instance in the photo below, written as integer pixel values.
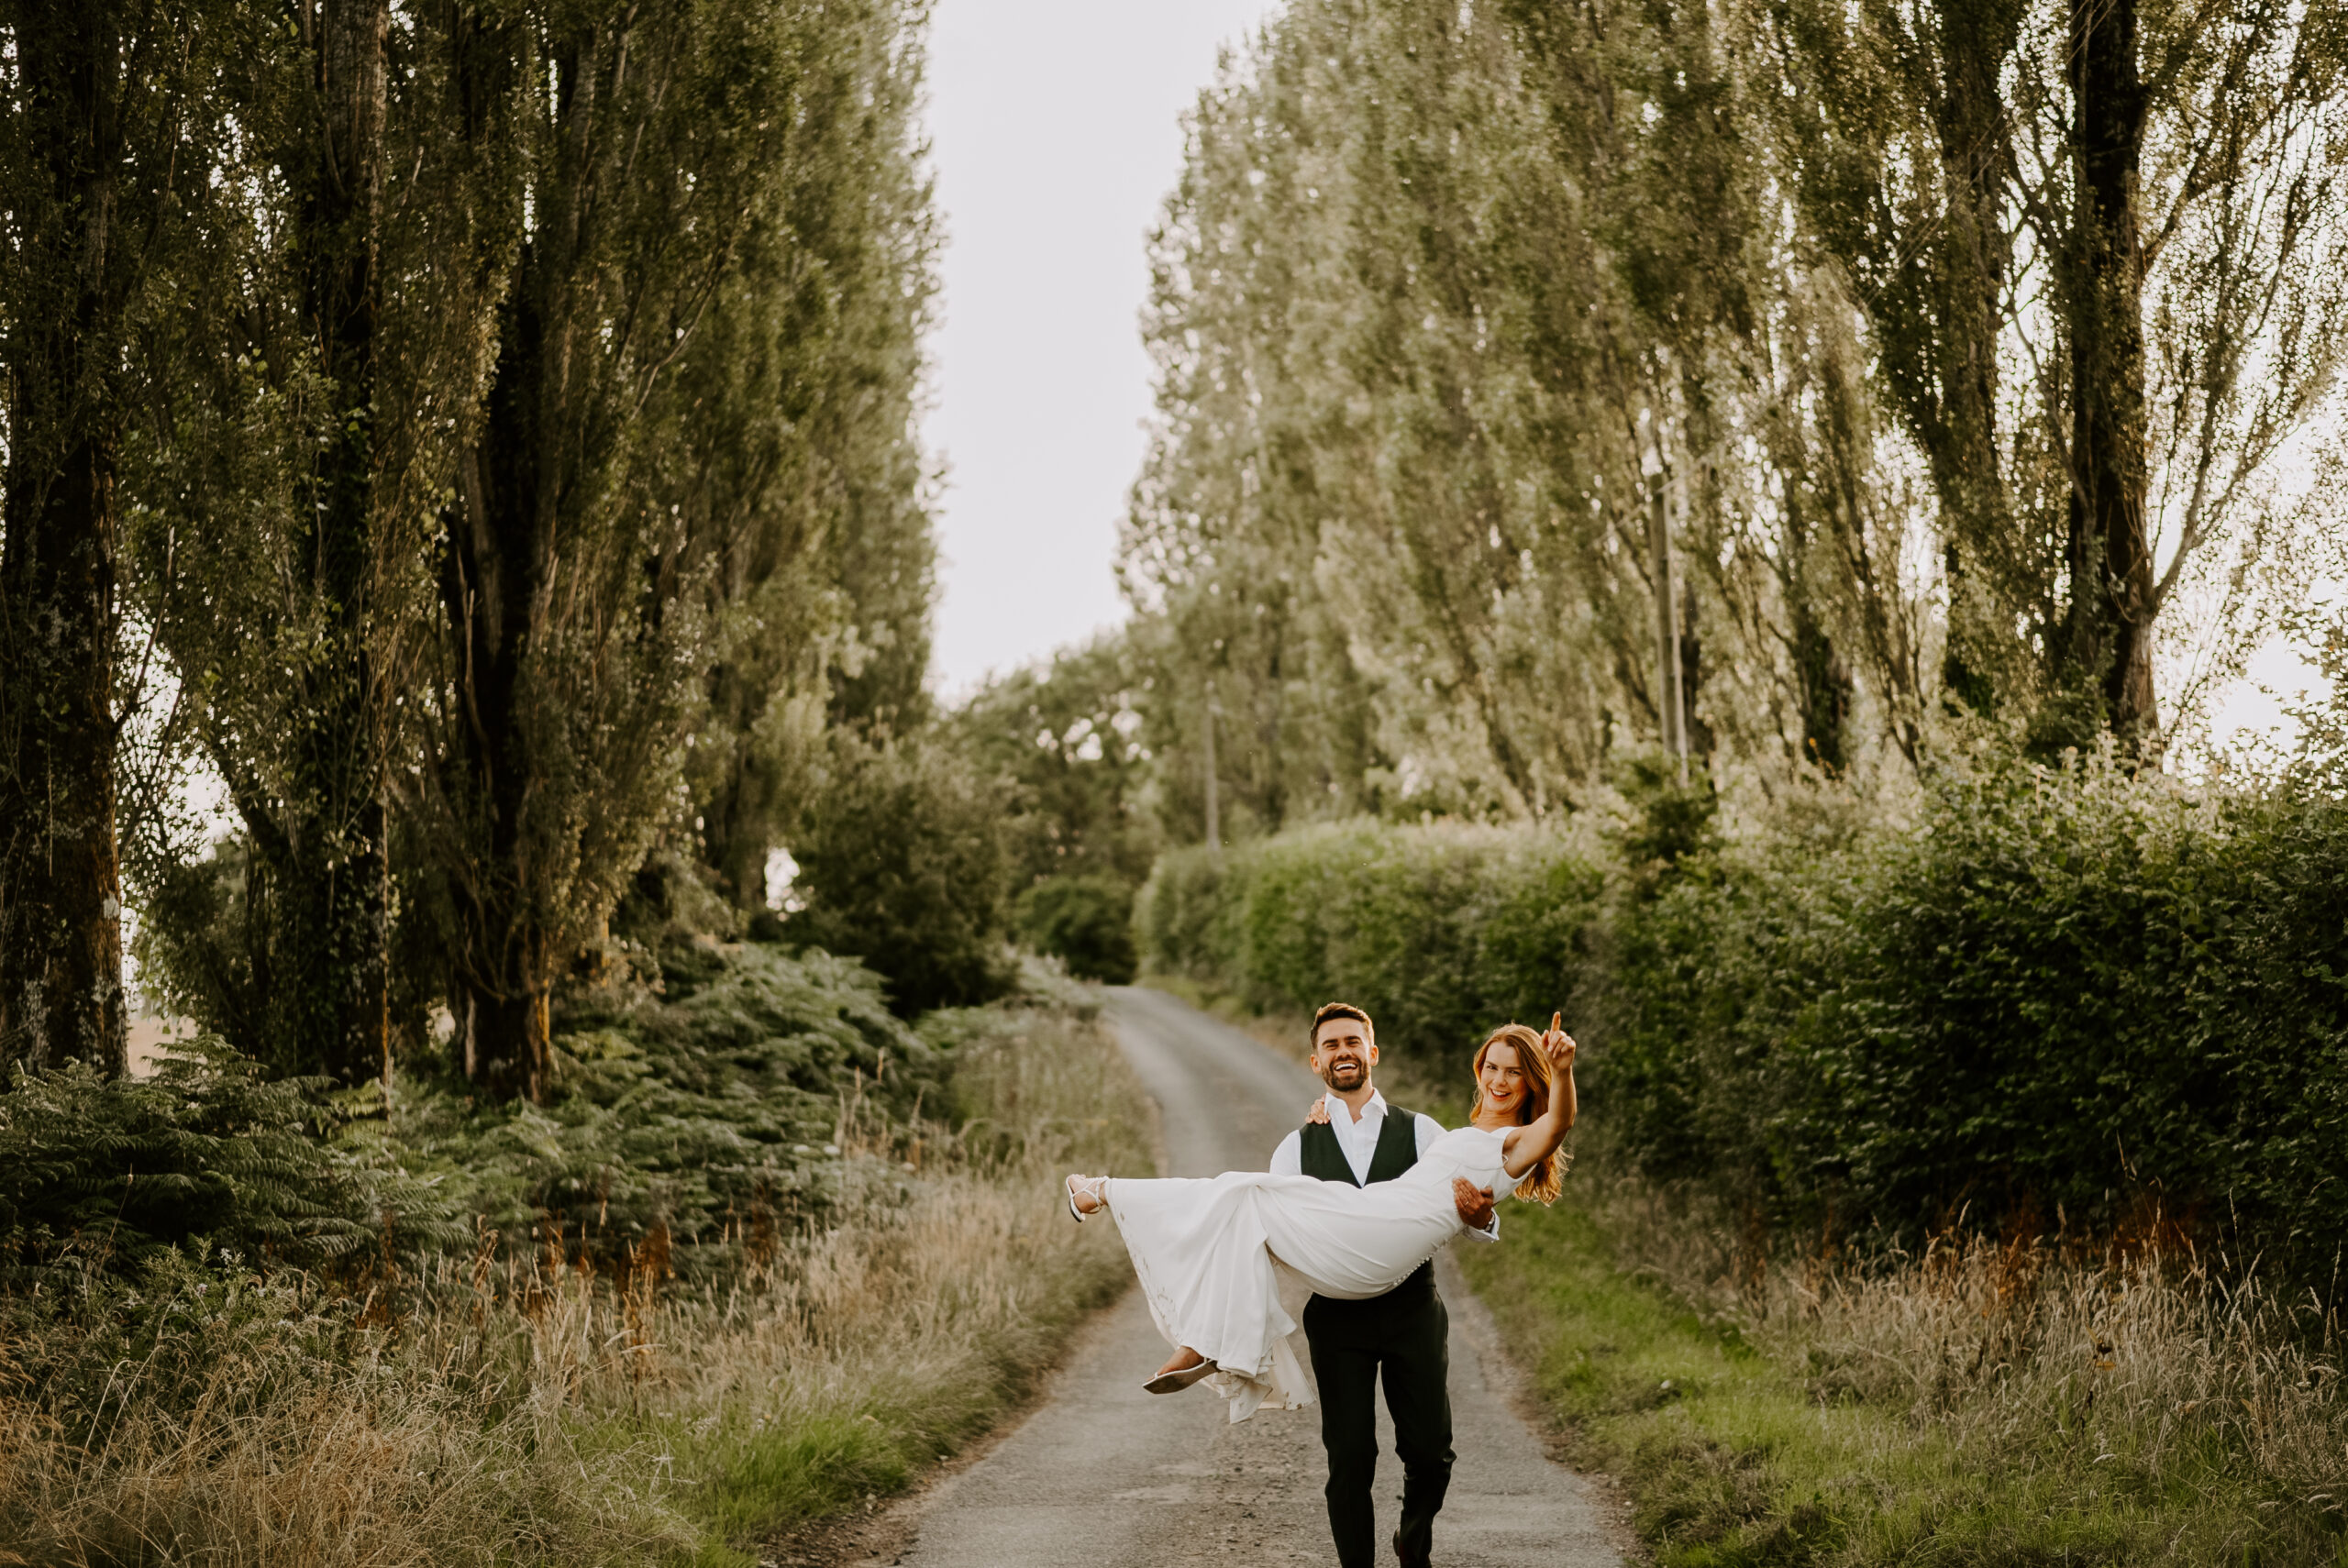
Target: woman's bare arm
(1535, 1142)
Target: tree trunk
(507, 1036)
(1823, 689)
(2113, 596)
(60, 880)
(329, 1006)
(1976, 38)
(498, 564)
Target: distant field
(151, 1038)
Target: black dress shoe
(1421, 1561)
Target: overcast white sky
(1054, 128)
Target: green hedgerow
(2065, 997)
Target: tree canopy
(1781, 384)
(479, 440)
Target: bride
(1207, 1250)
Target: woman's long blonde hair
(1545, 1181)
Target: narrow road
(1103, 1475)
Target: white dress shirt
(1358, 1137)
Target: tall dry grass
(2158, 1393)
(505, 1408)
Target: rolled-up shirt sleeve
(1427, 1130)
(1289, 1158)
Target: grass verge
(1981, 1403)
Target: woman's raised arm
(1538, 1139)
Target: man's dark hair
(1340, 1010)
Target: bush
(698, 1117)
(2067, 996)
(1439, 933)
(698, 1113)
(903, 864)
(1085, 921)
(2064, 997)
(207, 1154)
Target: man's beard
(1351, 1073)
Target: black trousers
(1404, 1336)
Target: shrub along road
(1102, 1474)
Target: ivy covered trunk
(494, 592)
(60, 881)
(331, 946)
(2113, 597)
(1955, 401)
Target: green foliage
(1670, 820)
(656, 340)
(1065, 738)
(902, 866)
(2063, 999)
(706, 1113)
(794, 457)
(1458, 311)
(196, 946)
(1364, 541)
(1439, 933)
(1086, 922)
(207, 1153)
(2065, 996)
(701, 1116)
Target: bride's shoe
(1092, 1187)
(1174, 1381)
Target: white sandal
(1094, 1187)
(1175, 1381)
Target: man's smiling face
(1344, 1053)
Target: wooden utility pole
(1669, 697)
(1214, 824)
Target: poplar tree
(2140, 213)
(797, 465)
(327, 837)
(316, 352)
(649, 141)
(113, 121)
(1855, 370)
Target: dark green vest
(1318, 1154)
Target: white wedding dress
(1208, 1251)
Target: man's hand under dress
(1474, 1203)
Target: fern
(208, 1151)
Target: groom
(1404, 1333)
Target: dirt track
(1103, 1475)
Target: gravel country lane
(1103, 1475)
